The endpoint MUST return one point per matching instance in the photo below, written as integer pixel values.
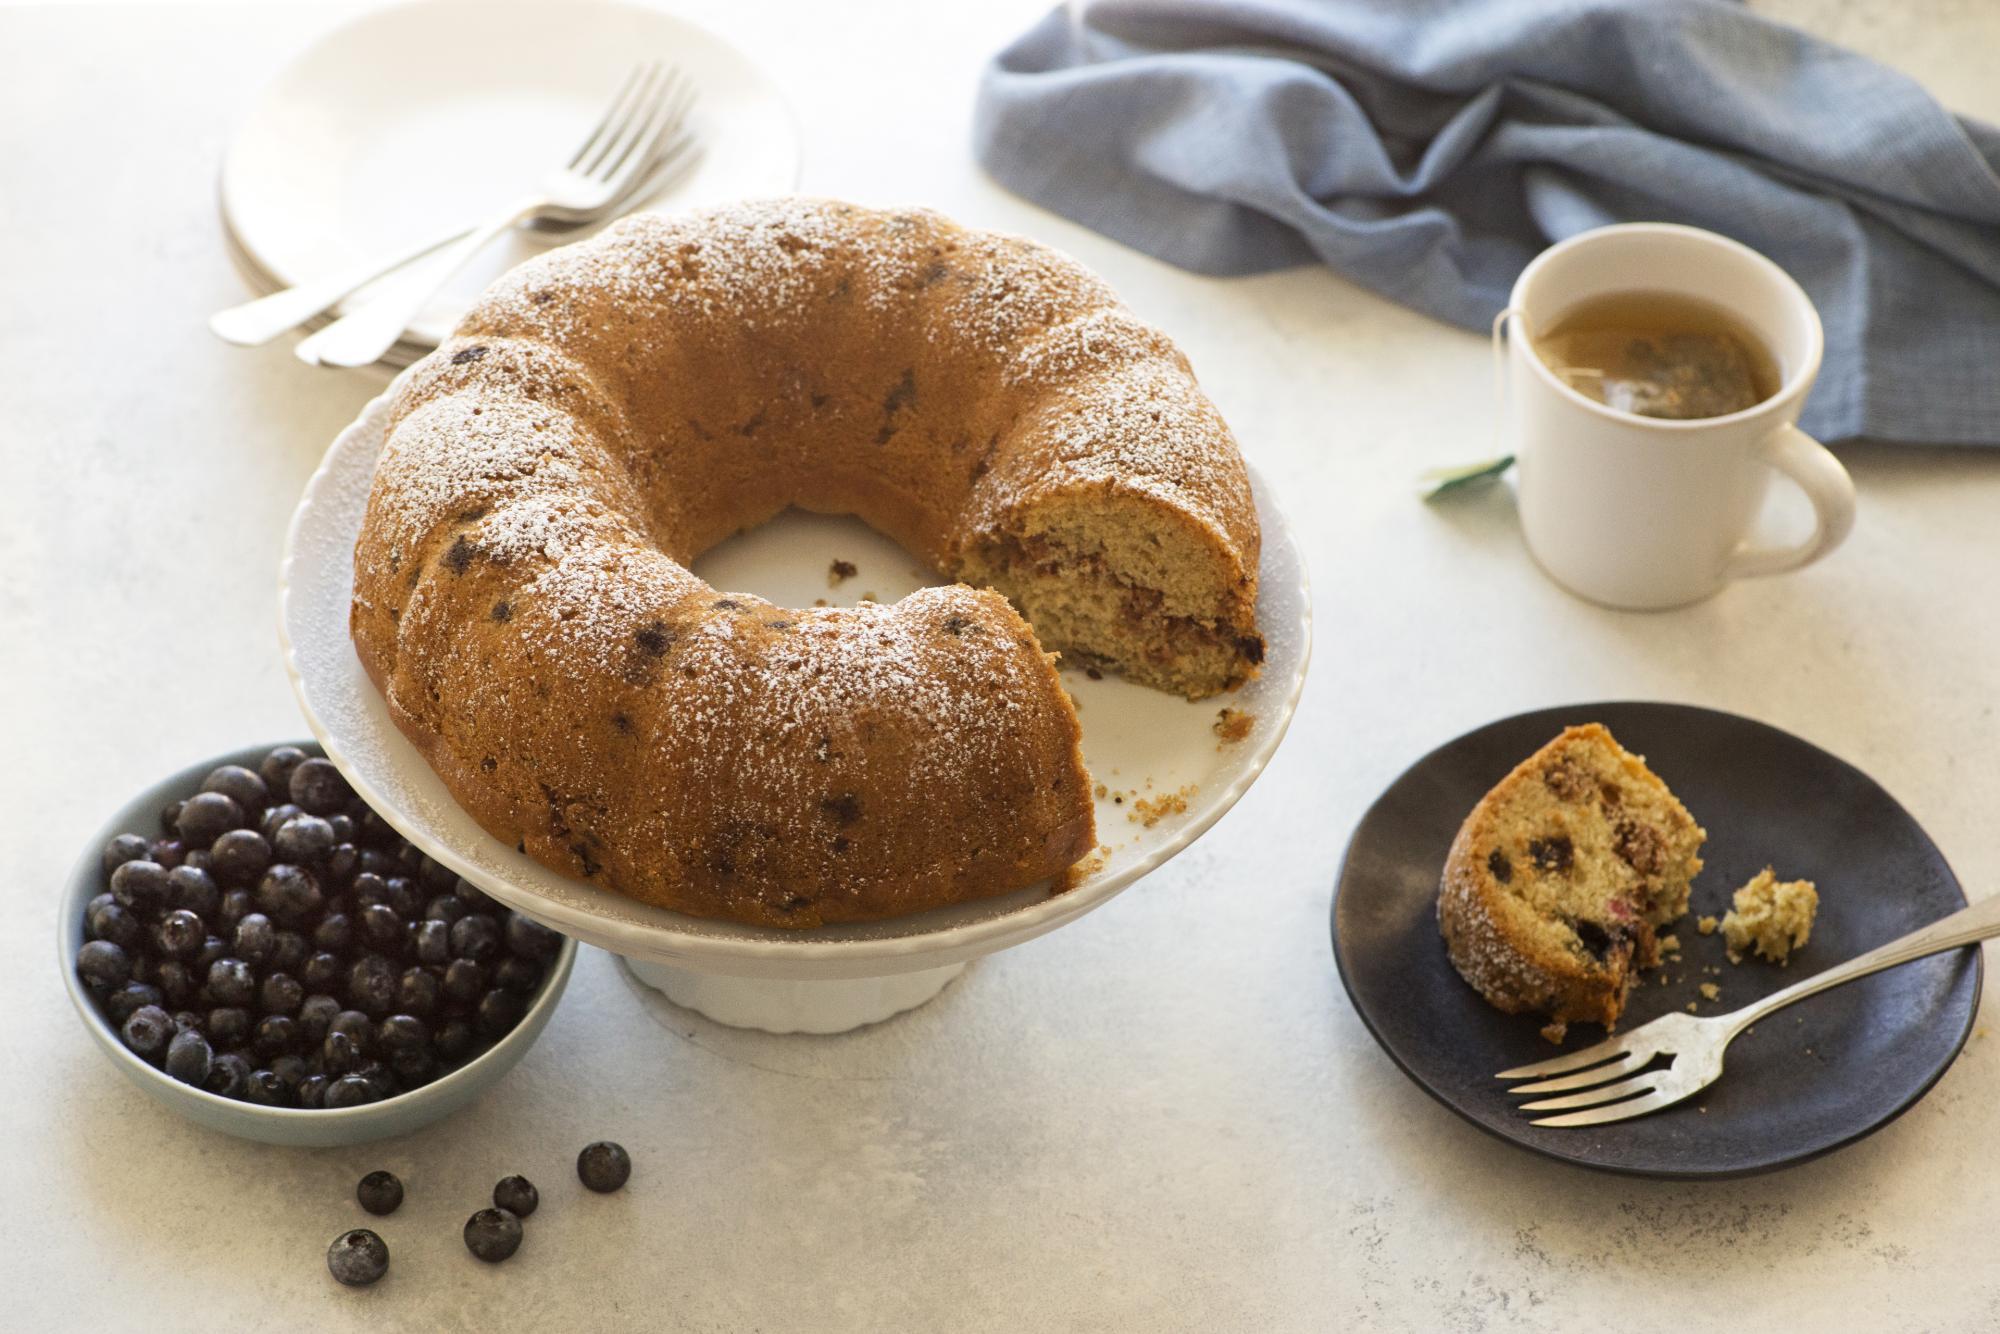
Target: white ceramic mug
(1643, 512)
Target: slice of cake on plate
(1562, 877)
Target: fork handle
(1967, 926)
(257, 322)
(361, 338)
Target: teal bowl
(275, 1125)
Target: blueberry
(603, 1166)
(368, 887)
(189, 1057)
(304, 838)
(493, 1235)
(276, 818)
(194, 889)
(240, 857)
(228, 1076)
(517, 1195)
(454, 1040)
(243, 785)
(334, 934)
(291, 1070)
(371, 985)
(339, 1053)
(148, 1031)
(229, 1025)
(167, 852)
(177, 982)
(324, 971)
(465, 981)
(112, 922)
(311, 1092)
(197, 858)
(349, 1091)
(170, 815)
(237, 904)
(530, 939)
(342, 865)
(379, 1076)
(276, 1035)
(289, 892)
(445, 908)
(436, 877)
(123, 848)
(289, 952)
(145, 968)
(206, 817)
(472, 896)
(499, 1011)
(372, 831)
(316, 1013)
(409, 859)
(355, 1025)
(430, 941)
(400, 892)
(475, 937)
(417, 992)
(140, 886)
(357, 1258)
(318, 788)
(103, 966)
(379, 1193)
(281, 993)
(377, 863)
(415, 1066)
(230, 982)
(132, 996)
(401, 1032)
(187, 1021)
(255, 939)
(382, 926)
(264, 1088)
(212, 948)
(180, 934)
(277, 765)
(518, 975)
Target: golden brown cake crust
(607, 412)
(1559, 880)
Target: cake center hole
(792, 561)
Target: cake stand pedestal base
(783, 1005)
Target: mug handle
(1826, 484)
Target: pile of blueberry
(359, 1256)
(280, 944)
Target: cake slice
(1561, 878)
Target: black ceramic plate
(1810, 1079)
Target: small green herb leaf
(1438, 481)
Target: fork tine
(636, 127)
(612, 112)
(1620, 1111)
(1624, 1088)
(661, 140)
(1624, 1065)
(1562, 1065)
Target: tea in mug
(1659, 354)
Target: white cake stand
(1156, 757)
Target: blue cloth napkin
(1427, 149)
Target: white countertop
(1164, 1116)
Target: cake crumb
(1093, 673)
(821, 602)
(1232, 725)
(1770, 916)
(1151, 810)
(1555, 1030)
(1080, 870)
(1690, 1007)
(840, 572)
(1710, 991)
(1099, 791)
(869, 596)
(1706, 926)
(1670, 944)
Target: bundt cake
(1561, 877)
(610, 410)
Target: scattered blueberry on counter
(604, 1166)
(380, 1193)
(493, 1234)
(280, 944)
(358, 1258)
(517, 1195)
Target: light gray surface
(1164, 1116)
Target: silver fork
(640, 133)
(1614, 1084)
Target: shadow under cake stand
(1165, 772)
